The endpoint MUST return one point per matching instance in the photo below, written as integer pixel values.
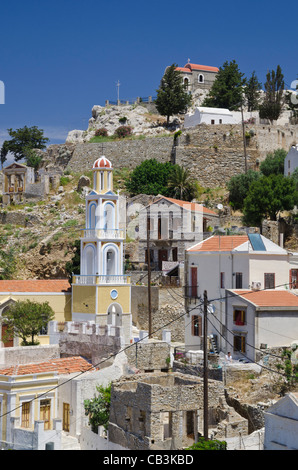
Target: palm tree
(181, 185)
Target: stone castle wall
(213, 153)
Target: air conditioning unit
(256, 285)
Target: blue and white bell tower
(101, 292)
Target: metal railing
(98, 279)
(109, 234)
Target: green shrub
(102, 132)
(123, 131)
(203, 444)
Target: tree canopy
(227, 88)
(25, 319)
(238, 187)
(22, 140)
(98, 408)
(153, 178)
(252, 92)
(274, 163)
(267, 196)
(172, 97)
(272, 105)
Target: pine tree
(252, 92)
(272, 106)
(227, 88)
(172, 97)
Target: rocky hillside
(138, 117)
(40, 236)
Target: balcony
(96, 279)
(107, 234)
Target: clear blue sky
(58, 59)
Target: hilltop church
(101, 293)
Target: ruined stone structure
(165, 411)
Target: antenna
(118, 86)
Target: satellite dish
(220, 207)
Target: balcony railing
(109, 234)
(101, 279)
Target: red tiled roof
(183, 69)
(269, 298)
(207, 68)
(220, 243)
(41, 285)
(193, 206)
(67, 365)
(102, 162)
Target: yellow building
(29, 393)
(56, 292)
(101, 292)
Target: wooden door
(162, 256)
(8, 343)
(45, 413)
(66, 415)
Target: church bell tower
(102, 292)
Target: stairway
(69, 442)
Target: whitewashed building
(259, 319)
(291, 161)
(228, 262)
(204, 115)
(281, 424)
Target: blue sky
(58, 59)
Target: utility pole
(149, 277)
(244, 140)
(205, 368)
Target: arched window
(201, 78)
(186, 83)
(109, 216)
(92, 215)
(89, 260)
(110, 260)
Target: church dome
(102, 162)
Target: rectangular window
(194, 282)
(238, 280)
(196, 325)
(239, 344)
(222, 280)
(293, 278)
(26, 414)
(239, 317)
(269, 280)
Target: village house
(259, 319)
(203, 115)
(174, 225)
(281, 424)
(228, 262)
(291, 161)
(29, 402)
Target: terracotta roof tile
(61, 366)
(269, 298)
(41, 285)
(220, 243)
(193, 206)
(207, 68)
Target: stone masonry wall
(213, 153)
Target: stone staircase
(69, 442)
